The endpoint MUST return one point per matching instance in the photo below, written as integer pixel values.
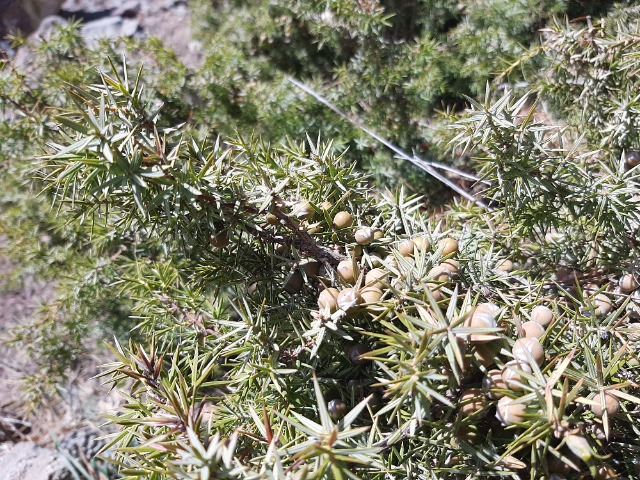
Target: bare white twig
(427, 166)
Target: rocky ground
(26, 445)
(168, 19)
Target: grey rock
(25, 15)
(173, 27)
(83, 440)
(129, 27)
(91, 6)
(109, 27)
(152, 8)
(29, 461)
(13, 429)
(128, 9)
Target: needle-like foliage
(296, 322)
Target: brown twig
(302, 240)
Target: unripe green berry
(422, 243)
(472, 401)
(504, 265)
(491, 308)
(486, 353)
(439, 273)
(436, 293)
(376, 277)
(272, 219)
(482, 319)
(391, 262)
(452, 265)
(492, 384)
(602, 305)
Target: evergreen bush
(296, 320)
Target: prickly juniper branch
(300, 239)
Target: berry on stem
(421, 243)
(628, 283)
(611, 405)
(481, 319)
(406, 248)
(527, 349)
(509, 412)
(371, 294)
(342, 220)
(504, 265)
(328, 299)
(492, 383)
(448, 246)
(376, 277)
(512, 374)
(532, 329)
(542, 315)
(349, 298)
(473, 401)
(219, 240)
(364, 235)
(452, 265)
(303, 210)
(337, 409)
(346, 271)
(272, 219)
